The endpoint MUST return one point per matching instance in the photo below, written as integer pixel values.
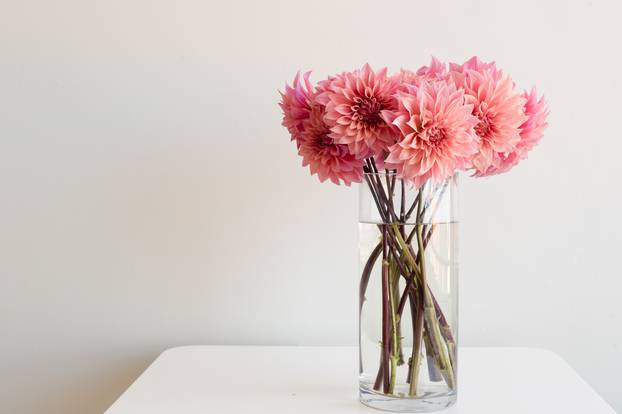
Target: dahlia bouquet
(402, 133)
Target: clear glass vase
(408, 321)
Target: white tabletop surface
(323, 380)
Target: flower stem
(369, 265)
(394, 326)
(394, 278)
(386, 351)
(415, 359)
(418, 334)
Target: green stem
(386, 318)
(394, 336)
(418, 333)
(405, 249)
(415, 358)
(394, 277)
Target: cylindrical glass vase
(408, 321)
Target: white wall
(150, 197)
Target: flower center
(316, 133)
(484, 127)
(324, 145)
(435, 136)
(368, 110)
(324, 141)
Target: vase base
(425, 404)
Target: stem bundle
(403, 258)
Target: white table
(323, 380)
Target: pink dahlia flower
(323, 156)
(498, 107)
(436, 71)
(533, 128)
(531, 132)
(354, 102)
(437, 132)
(504, 163)
(407, 77)
(477, 65)
(296, 105)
